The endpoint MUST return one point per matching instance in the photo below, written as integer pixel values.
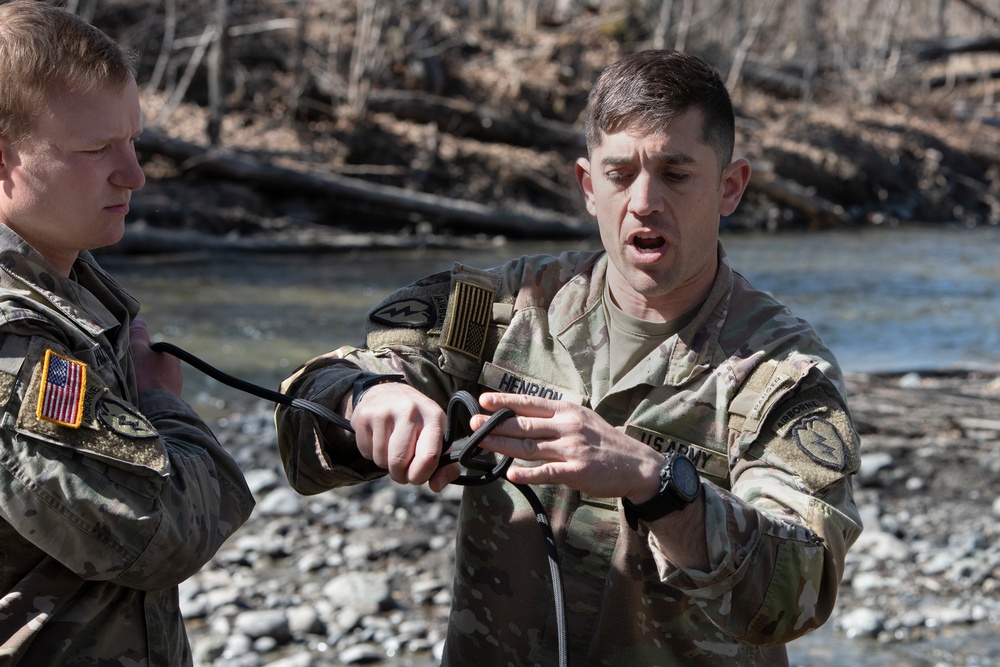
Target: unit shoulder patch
(815, 439)
(411, 313)
(123, 419)
(87, 418)
(819, 440)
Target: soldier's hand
(570, 445)
(153, 370)
(402, 431)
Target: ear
(7, 157)
(734, 182)
(582, 171)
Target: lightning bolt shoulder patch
(819, 440)
(812, 437)
(410, 313)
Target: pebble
(362, 575)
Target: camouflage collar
(88, 300)
(576, 315)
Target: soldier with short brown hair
(688, 436)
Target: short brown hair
(44, 49)
(648, 89)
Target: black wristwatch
(368, 380)
(680, 486)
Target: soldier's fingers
(527, 449)
(522, 405)
(547, 473)
(402, 442)
(426, 454)
(138, 331)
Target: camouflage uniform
(746, 390)
(105, 511)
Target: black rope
(481, 467)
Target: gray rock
(304, 620)
(264, 623)
(283, 501)
(365, 592)
(862, 622)
(362, 654)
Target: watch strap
(655, 508)
(666, 500)
(366, 381)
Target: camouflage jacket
(108, 499)
(746, 390)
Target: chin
(109, 237)
(653, 284)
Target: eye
(97, 151)
(618, 177)
(676, 176)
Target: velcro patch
(123, 420)
(63, 387)
(131, 441)
(820, 449)
(412, 313)
(471, 307)
(7, 382)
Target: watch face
(685, 477)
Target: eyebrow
(665, 158)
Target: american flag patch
(64, 383)
(470, 321)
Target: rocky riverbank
(362, 575)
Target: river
(882, 299)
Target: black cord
(483, 467)
(250, 388)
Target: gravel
(362, 575)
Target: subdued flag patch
(64, 383)
(473, 307)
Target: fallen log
(930, 50)
(817, 210)
(465, 119)
(140, 239)
(439, 211)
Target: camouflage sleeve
(207, 498)
(143, 498)
(779, 538)
(317, 455)
(407, 334)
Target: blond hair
(44, 50)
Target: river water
(882, 299)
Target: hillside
(383, 115)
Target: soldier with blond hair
(112, 489)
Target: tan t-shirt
(631, 339)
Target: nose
(129, 173)
(645, 196)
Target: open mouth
(648, 242)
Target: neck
(662, 307)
